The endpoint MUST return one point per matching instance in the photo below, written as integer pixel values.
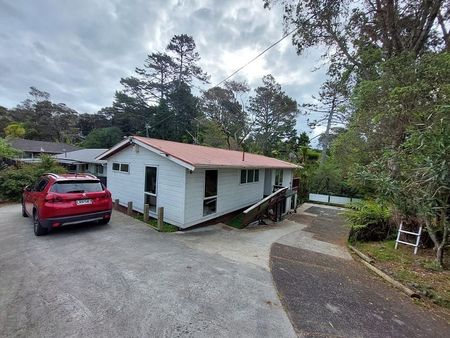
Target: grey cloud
(79, 50)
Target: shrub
(368, 220)
(13, 179)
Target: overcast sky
(78, 50)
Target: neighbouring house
(84, 161)
(193, 183)
(32, 149)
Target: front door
(210, 196)
(150, 189)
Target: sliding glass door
(150, 191)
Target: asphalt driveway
(126, 280)
(328, 294)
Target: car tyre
(39, 230)
(24, 212)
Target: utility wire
(238, 70)
(256, 57)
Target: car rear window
(68, 187)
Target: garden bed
(418, 272)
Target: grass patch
(418, 272)
(167, 227)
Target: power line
(257, 56)
(237, 70)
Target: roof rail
(88, 174)
(51, 174)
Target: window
(279, 177)
(123, 167)
(40, 185)
(150, 196)
(68, 187)
(243, 176)
(210, 199)
(99, 169)
(249, 175)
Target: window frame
(100, 169)
(255, 176)
(128, 168)
(215, 197)
(120, 164)
(147, 193)
(279, 173)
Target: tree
(159, 71)
(130, 113)
(103, 138)
(211, 134)
(182, 48)
(154, 81)
(403, 126)
(351, 29)
(161, 124)
(221, 106)
(45, 120)
(184, 109)
(303, 139)
(5, 120)
(6, 151)
(15, 130)
(274, 114)
(88, 122)
(331, 110)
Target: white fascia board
(110, 150)
(163, 154)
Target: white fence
(340, 200)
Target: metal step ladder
(417, 234)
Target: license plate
(83, 202)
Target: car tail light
(52, 198)
(107, 194)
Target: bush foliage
(368, 220)
(14, 178)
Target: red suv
(57, 200)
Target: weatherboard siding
(130, 186)
(231, 194)
(287, 178)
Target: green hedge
(14, 178)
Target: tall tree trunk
(323, 156)
(439, 245)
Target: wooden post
(130, 208)
(116, 204)
(160, 218)
(146, 209)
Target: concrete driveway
(126, 280)
(328, 294)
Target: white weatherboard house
(193, 183)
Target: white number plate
(83, 202)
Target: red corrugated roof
(201, 156)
